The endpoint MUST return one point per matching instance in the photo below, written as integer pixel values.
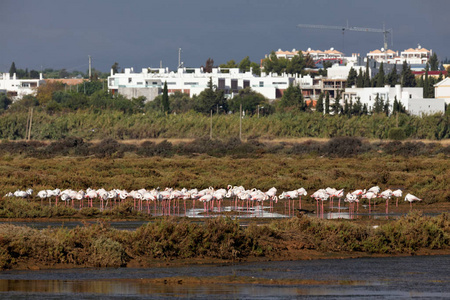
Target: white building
(442, 90)
(417, 57)
(192, 81)
(411, 98)
(17, 88)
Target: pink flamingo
(411, 198)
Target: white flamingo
(411, 198)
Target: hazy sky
(141, 33)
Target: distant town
(413, 78)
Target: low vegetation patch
(98, 245)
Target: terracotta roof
(416, 50)
(332, 52)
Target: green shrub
(397, 134)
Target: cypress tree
(379, 82)
(360, 79)
(319, 105)
(12, 69)
(351, 78)
(165, 99)
(327, 103)
(367, 82)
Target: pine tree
(319, 105)
(165, 99)
(12, 69)
(327, 103)
(392, 77)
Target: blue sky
(141, 33)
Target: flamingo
(301, 192)
(411, 198)
(387, 194)
(369, 195)
(397, 194)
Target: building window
(191, 83)
(221, 84)
(261, 84)
(246, 83)
(129, 80)
(234, 84)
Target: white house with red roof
(417, 57)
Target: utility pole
(90, 72)
(240, 122)
(210, 132)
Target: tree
(434, 62)
(407, 77)
(63, 73)
(34, 74)
(336, 107)
(367, 82)
(379, 78)
(309, 61)
(229, 65)
(244, 65)
(360, 79)
(256, 68)
(210, 99)
(378, 105)
(426, 83)
(397, 106)
(208, 65)
(4, 102)
(386, 107)
(12, 69)
(392, 77)
(293, 97)
(319, 105)
(357, 107)
(296, 65)
(352, 77)
(327, 103)
(115, 68)
(249, 99)
(165, 99)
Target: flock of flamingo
(167, 201)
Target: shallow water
(387, 278)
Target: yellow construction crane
(384, 31)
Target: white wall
(442, 90)
(367, 95)
(425, 106)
